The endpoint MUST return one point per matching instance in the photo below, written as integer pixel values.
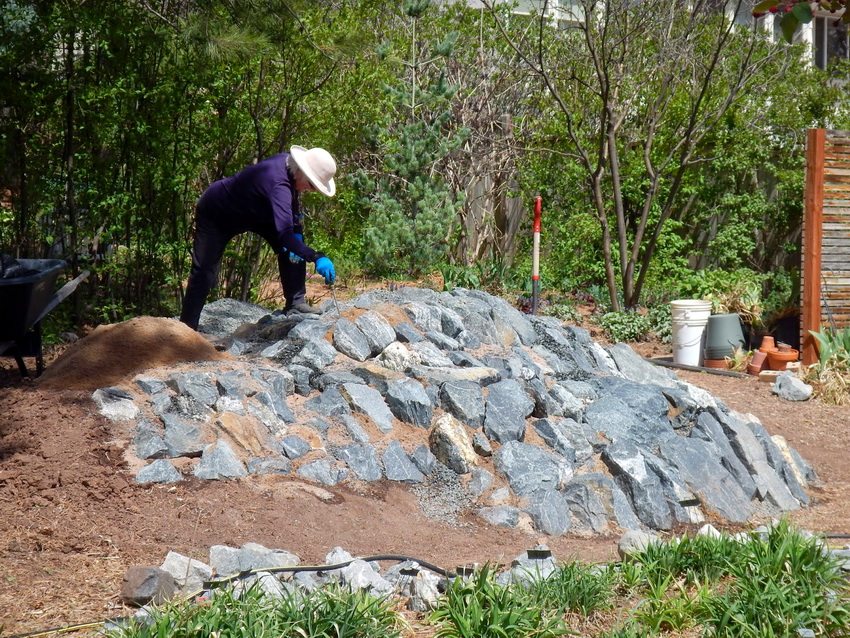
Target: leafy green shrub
(781, 293)
(625, 326)
(660, 319)
(729, 291)
(481, 608)
(563, 309)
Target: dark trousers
(213, 229)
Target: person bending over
(263, 198)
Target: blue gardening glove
(325, 268)
(293, 258)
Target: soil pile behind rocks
(114, 352)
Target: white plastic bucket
(689, 319)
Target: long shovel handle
(62, 294)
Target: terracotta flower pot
(719, 364)
(779, 360)
(767, 344)
(758, 360)
(753, 370)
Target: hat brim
(325, 188)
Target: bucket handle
(691, 343)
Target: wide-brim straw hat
(318, 166)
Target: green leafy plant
(563, 309)
(410, 206)
(781, 584)
(737, 291)
(625, 326)
(669, 606)
(481, 608)
(831, 374)
(577, 588)
(661, 322)
(739, 359)
(328, 612)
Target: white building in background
(826, 35)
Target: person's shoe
(304, 308)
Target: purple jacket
(258, 194)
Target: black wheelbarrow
(26, 298)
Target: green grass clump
(331, 612)
(577, 588)
(481, 608)
(780, 585)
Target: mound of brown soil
(115, 352)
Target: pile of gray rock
(481, 409)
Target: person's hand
(293, 258)
(325, 268)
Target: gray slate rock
(629, 468)
(350, 340)
(409, 402)
(791, 388)
(431, 355)
(464, 400)
(369, 401)
(197, 385)
(529, 468)
(635, 368)
(265, 465)
(406, 333)
(160, 471)
(423, 459)
(500, 515)
(398, 466)
(276, 403)
(148, 384)
(147, 441)
(321, 471)
(481, 445)
(362, 460)
(507, 407)
(354, 429)
(220, 462)
(442, 341)
(769, 485)
(189, 574)
(329, 403)
(316, 354)
(716, 488)
(334, 378)
(376, 329)
(480, 482)
(611, 418)
(294, 447)
(301, 376)
(183, 437)
(224, 316)
(549, 510)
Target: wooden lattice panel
(826, 236)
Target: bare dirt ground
(72, 521)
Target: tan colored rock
(450, 443)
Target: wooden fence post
(812, 242)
